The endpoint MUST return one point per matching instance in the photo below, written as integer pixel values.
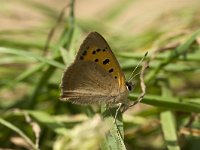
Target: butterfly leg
(117, 111)
(127, 106)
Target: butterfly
(95, 76)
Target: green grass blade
(168, 123)
(169, 130)
(20, 44)
(41, 83)
(182, 49)
(29, 54)
(29, 72)
(165, 103)
(64, 42)
(20, 132)
(114, 139)
(48, 121)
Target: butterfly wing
(95, 48)
(95, 76)
(86, 82)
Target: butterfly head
(129, 86)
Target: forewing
(95, 48)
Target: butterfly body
(95, 76)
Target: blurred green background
(39, 39)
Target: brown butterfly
(95, 76)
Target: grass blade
(29, 54)
(20, 132)
(169, 130)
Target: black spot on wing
(98, 50)
(106, 61)
(111, 70)
(93, 52)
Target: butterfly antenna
(131, 76)
(134, 76)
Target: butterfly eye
(129, 86)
